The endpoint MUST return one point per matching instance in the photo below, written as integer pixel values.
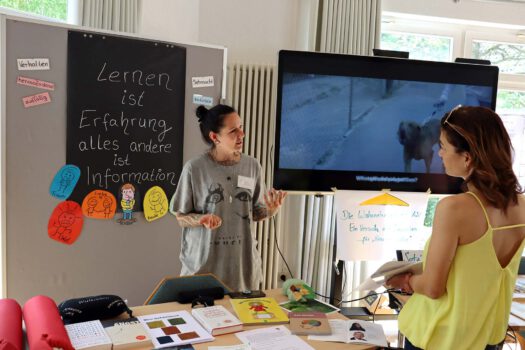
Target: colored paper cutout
(155, 203)
(41, 84)
(36, 100)
(99, 204)
(385, 199)
(65, 223)
(202, 100)
(127, 203)
(64, 181)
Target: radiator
(251, 90)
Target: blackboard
(107, 258)
(125, 112)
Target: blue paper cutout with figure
(65, 181)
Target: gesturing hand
(210, 221)
(274, 199)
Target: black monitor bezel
(306, 180)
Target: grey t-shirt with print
(230, 192)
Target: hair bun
(201, 113)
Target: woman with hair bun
(462, 298)
(219, 195)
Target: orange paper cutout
(99, 204)
(385, 199)
(65, 223)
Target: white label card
(246, 182)
(33, 63)
(197, 82)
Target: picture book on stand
(259, 311)
(127, 334)
(217, 320)
(173, 329)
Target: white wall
(252, 30)
(170, 20)
(504, 12)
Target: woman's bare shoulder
(458, 207)
(458, 201)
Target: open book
(388, 270)
(354, 332)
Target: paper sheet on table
(230, 347)
(272, 338)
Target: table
(231, 339)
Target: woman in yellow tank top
(462, 299)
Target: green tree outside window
(48, 8)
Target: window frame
(506, 81)
(463, 33)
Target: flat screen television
(369, 123)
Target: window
(421, 46)
(511, 101)
(511, 107)
(56, 9)
(510, 58)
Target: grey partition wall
(107, 258)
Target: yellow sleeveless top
(474, 311)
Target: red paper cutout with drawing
(65, 223)
(99, 204)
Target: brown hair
(480, 132)
(128, 186)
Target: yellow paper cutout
(155, 203)
(385, 199)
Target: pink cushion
(11, 337)
(44, 326)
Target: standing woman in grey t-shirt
(219, 196)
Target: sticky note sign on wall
(65, 223)
(155, 203)
(64, 181)
(99, 204)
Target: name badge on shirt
(246, 182)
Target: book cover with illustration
(259, 311)
(127, 334)
(217, 320)
(175, 328)
(304, 323)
